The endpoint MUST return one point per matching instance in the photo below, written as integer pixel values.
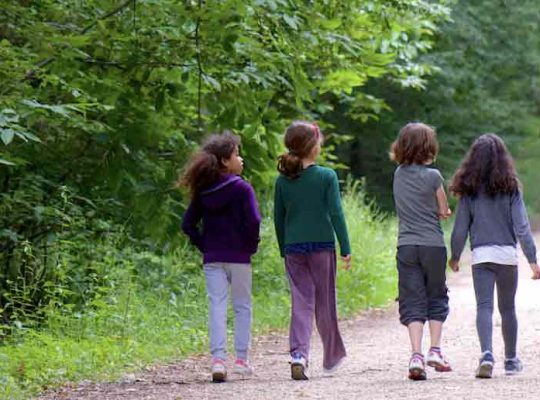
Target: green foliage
(487, 57)
(101, 103)
(373, 280)
(153, 308)
(118, 95)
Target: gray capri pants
(422, 284)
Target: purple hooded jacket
(230, 221)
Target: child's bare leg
(416, 330)
(435, 358)
(435, 332)
(417, 371)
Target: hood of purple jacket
(219, 194)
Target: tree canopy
(104, 100)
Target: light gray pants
(485, 277)
(218, 278)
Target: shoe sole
(439, 367)
(417, 374)
(485, 371)
(242, 373)
(511, 373)
(219, 377)
(298, 372)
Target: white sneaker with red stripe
(417, 370)
(219, 371)
(242, 367)
(437, 360)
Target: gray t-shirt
(416, 205)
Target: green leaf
(25, 135)
(291, 21)
(7, 135)
(8, 115)
(58, 109)
(331, 24)
(212, 82)
(6, 162)
(342, 80)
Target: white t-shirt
(505, 255)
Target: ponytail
(300, 139)
(289, 165)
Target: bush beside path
(375, 368)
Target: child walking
(420, 203)
(307, 212)
(228, 209)
(492, 213)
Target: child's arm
(190, 223)
(279, 219)
(460, 232)
(252, 217)
(522, 229)
(338, 220)
(442, 203)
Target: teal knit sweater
(308, 209)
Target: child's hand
(454, 265)
(347, 260)
(445, 214)
(535, 270)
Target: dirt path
(375, 369)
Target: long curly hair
(488, 166)
(205, 166)
(300, 139)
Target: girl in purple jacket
(227, 238)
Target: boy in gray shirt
(421, 254)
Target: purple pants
(312, 278)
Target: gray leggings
(485, 276)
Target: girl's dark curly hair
(206, 165)
(488, 167)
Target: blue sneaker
(485, 367)
(299, 367)
(512, 366)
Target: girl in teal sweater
(307, 217)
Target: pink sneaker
(242, 367)
(219, 371)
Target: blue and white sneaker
(299, 366)
(485, 366)
(513, 366)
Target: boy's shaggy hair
(416, 144)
